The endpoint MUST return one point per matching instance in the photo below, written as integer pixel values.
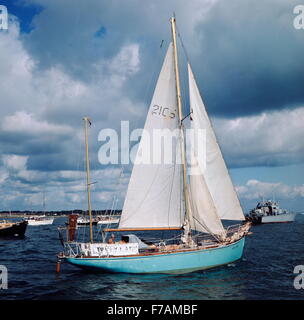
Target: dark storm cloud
(247, 55)
(250, 57)
(23, 143)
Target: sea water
(266, 271)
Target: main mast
(86, 121)
(180, 118)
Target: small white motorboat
(39, 220)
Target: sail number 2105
(163, 111)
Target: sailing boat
(160, 197)
(40, 220)
(12, 229)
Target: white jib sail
(215, 171)
(204, 217)
(154, 197)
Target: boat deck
(5, 224)
(160, 250)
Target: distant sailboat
(107, 220)
(160, 197)
(99, 220)
(41, 219)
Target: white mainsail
(154, 197)
(215, 173)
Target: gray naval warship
(269, 212)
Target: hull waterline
(40, 223)
(280, 218)
(286, 217)
(177, 262)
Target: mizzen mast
(86, 122)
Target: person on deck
(112, 239)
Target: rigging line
(204, 226)
(115, 198)
(101, 227)
(115, 206)
(182, 44)
(110, 213)
(157, 61)
(153, 74)
(186, 55)
(121, 174)
(100, 230)
(158, 238)
(187, 116)
(182, 82)
(185, 72)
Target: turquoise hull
(179, 262)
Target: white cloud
(34, 200)
(16, 76)
(255, 189)
(52, 95)
(26, 123)
(273, 138)
(63, 188)
(15, 162)
(74, 198)
(3, 175)
(127, 61)
(105, 196)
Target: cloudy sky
(63, 59)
